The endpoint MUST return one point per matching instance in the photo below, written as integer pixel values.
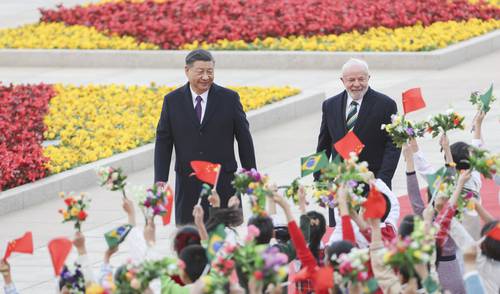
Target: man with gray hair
(201, 120)
(362, 110)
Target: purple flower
(147, 203)
(352, 183)
(410, 132)
(156, 210)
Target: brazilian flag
(434, 180)
(215, 241)
(486, 99)
(313, 163)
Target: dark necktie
(197, 108)
(352, 115)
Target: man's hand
(150, 232)
(214, 199)
(79, 243)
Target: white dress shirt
(204, 98)
(349, 100)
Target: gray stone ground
(278, 148)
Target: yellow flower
(387, 256)
(417, 254)
(66, 215)
(74, 211)
(59, 36)
(93, 122)
(411, 38)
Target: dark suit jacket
(376, 109)
(212, 140)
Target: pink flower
(362, 276)
(253, 232)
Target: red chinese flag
(206, 171)
(412, 100)
(323, 279)
(494, 233)
(350, 143)
(21, 245)
(168, 206)
(375, 204)
(59, 249)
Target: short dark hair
(460, 151)
(265, 226)
(337, 248)
(185, 236)
(195, 259)
(406, 226)
(230, 217)
(198, 55)
(490, 247)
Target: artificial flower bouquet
(153, 201)
(354, 175)
(414, 249)
(353, 268)
(258, 261)
(443, 122)
(401, 130)
(112, 178)
(254, 184)
(75, 211)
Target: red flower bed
(21, 133)
(176, 22)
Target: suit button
(201, 152)
(201, 133)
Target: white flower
(449, 111)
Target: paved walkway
(278, 147)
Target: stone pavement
(278, 147)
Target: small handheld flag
(413, 100)
(375, 204)
(494, 233)
(215, 241)
(116, 236)
(168, 206)
(59, 249)
(313, 163)
(20, 245)
(205, 171)
(486, 99)
(349, 143)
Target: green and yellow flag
(313, 163)
(486, 98)
(215, 241)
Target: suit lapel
(211, 104)
(364, 111)
(341, 113)
(189, 107)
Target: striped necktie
(352, 115)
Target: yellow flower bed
(59, 36)
(413, 38)
(491, 2)
(94, 122)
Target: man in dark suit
(201, 120)
(362, 110)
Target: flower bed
(59, 36)
(21, 129)
(414, 38)
(359, 25)
(171, 25)
(87, 123)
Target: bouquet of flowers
(484, 162)
(135, 279)
(292, 192)
(112, 178)
(402, 130)
(483, 101)
(265, 264)
(414, 249)
(75, 209)
(254, 184)
(217, 281)
(73, 280)
(441, 123)
(153, 201)
(325, 194)
(353, 268)
(355, 175)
